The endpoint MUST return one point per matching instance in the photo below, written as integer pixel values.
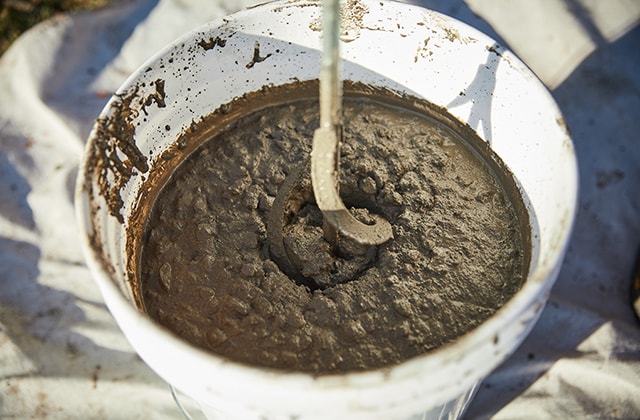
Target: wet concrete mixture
(459, 250)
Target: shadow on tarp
(69, 87)
(601, 106)
(14, 190)
(40, 321)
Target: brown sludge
(457, 256)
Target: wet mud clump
(205, 267)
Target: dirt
(458, 254)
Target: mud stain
(257, 58)
(116, 157)
(212, 43)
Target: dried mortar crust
(116, 157)
(202, 261)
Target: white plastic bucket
(397, 46)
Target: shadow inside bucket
(479, 93)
